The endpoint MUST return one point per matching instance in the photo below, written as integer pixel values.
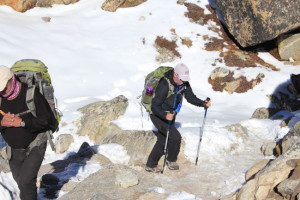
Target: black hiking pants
(25, 168)
(173, 146)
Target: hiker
(164, 110)
(19, 131)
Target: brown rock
(24, 5)
(289, 47)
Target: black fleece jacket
(21, 137)
(161, 103)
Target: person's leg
(16, 162)
(173, 144)
(28, 172)
(158, 149)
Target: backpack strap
(171, 87)
(30, 100)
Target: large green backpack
(151, 82)
(35, 74)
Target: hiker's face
(177, 80)
(7, 87)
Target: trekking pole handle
(207, 99)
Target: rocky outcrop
(105, 184)
(289, 47)
(113, 5)
(134, 142)
(223, 79)
(253, 22)
(96, 117)
(271, 179)
(24, 5)
(264, 183)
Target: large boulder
(97, 117)
(24, 5)
(289, 47)
(252, 22)
(113, 5)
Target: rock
(289, 47)
(46, 19)
(263, 113)
(229, 197)
(219, 72)
(24, 5)
(287, 187)
(100, 159)
(263, 184)
(252, 22)
(134, 142)
(268, 148)
(255, 168)
(152, 196)
(96, 117)
(113, 5)
(4, 166)
(102, 183)
(100, 197)
(223, 79)
(126, 179)
(241, 131)
(63, 142)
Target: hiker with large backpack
(166, 94)
(24, 129)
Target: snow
(96, 55)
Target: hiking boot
(152, 169)
(172, 165)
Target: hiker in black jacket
(20, 131)
(164, 109)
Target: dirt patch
(187, 42)
(166, 49)
(196, 14)
(169, 45)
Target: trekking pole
(166, 145)
(201, 132)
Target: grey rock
(102, 184)
(126, 179)
(97, 116)
(287, 187)
(137, 143)
(63, 142)
(252, 22)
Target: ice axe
(201, 131)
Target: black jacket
(21, 137)
(161, 103)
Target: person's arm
(161, 94)
(192, 98)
